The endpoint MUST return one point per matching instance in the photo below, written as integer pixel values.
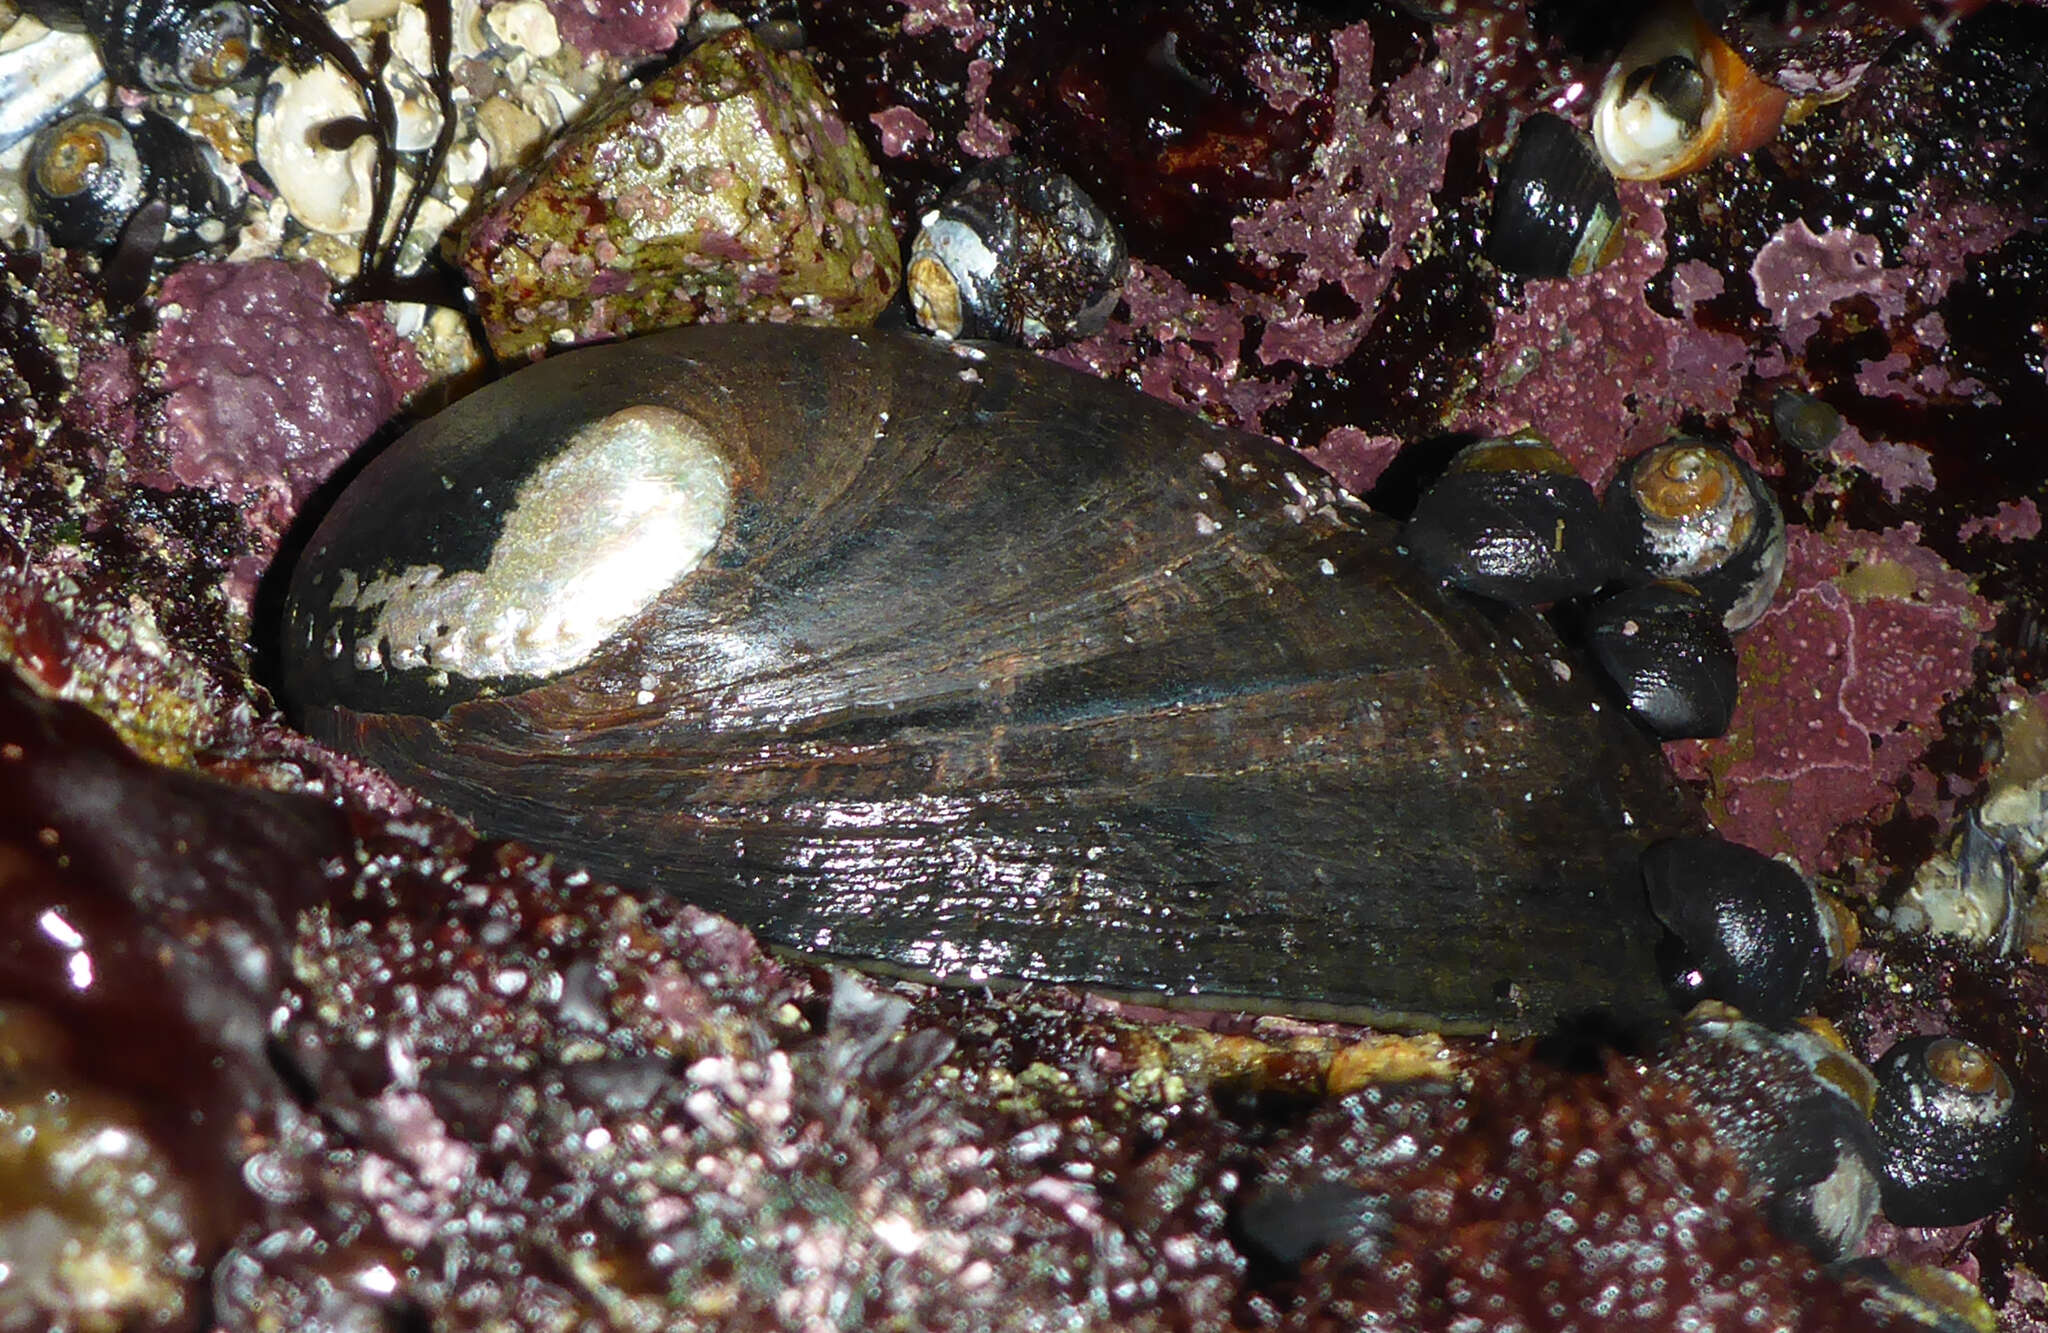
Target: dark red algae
(371, 1071)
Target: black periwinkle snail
(1693, 509)
(1745, 929)
(1016, 252)
(88, 174)
(1952, 1129)
(1512, 520)
(165, 46)
(1667, 652)
(959, 663)
(1556, 213)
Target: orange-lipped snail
(1678, 97)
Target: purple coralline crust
(954, 16)
(267, 388)
(1800, 276)
(103, 399)
(2015, 520)
(1197, 362)
(985, 135)
(1895, 467)
(1349, 224)
(1843, 683)
(902, 130)
(631, 30)
(1355, 458)
(1593, 368)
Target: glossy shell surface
(1745, 929)
(1556, 213)
(985, 670)
(1953, 1129)
(1016, 252)
(1678, 97)
(1510, 520)
(1693, 509)
(1667, 652)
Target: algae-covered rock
(726, 189)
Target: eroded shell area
(633, 503)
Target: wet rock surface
(447, 1080)
(726, 189)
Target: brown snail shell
(1678, 97)
(961, 664)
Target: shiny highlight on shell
(998, 672)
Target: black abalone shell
(991, 670)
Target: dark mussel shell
(1511, 520)
(1667, 652)
(1016, 252)
(88, 174)
(1745, 929)
(958, 663)
(1692, 509)
(1555, 210)
(1953, 1131)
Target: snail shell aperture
(1678, 97)
(969, 666)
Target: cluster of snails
(1686, 548)
(1675, 99)
(92, 175)
(1935, 1135)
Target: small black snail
(1511, 519)
(1016, 252)
(1555, 210)
(165, 46)
(1792, 1104)
(958, 663)
(88, 174)
(1745, 929)
(1953, 1130)
(1667, 652)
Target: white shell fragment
(633, 503)
(41, 76)
(327, 189)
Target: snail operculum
(1677, 97)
